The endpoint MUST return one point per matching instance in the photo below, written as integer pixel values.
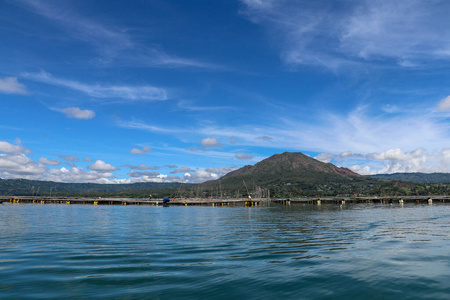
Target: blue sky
(133, 91)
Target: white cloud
(243, 156)
(69, 157)
(137, 93)
(50, 162)
(210, 143)
(181, 170)
(10, 85)
(400, 161)
(142, 167)
(144, 150)
(20, 166)
(321, 33)
(100, 165)
(265, 138)
(401, 30)
(444, 104)
(325, 157)
(199, 176)
(113, 43)
(220, 171)
(14, 149)
(77, 174)
(170, 166)
(142, 126)
(196, 149)
(361, 130)
(75, 112)
(147, 174)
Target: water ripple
(296, 252)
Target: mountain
(289, 173)
(416, 177)
(291, 165)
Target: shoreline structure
(224, 201)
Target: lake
(358, 251)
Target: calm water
(273, 252)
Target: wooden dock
(347, 200)
(130, 201)
(225, 202)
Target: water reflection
(203, 252)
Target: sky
(187, 91)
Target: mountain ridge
(290, 162)
(418, 177)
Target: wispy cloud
(187, 105)
(444, 104)
(142, 167)
(144, 150)
(243, 156)
(210, 142)
(69, 157)
(135, 93)
(361, 130)
(114, 43)
(181, 170)
(140, 125)
(50, 162)
(330, 35)
(75, 112)
(10, 85)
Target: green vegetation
(23, 187)
(279, 176)
(417, 177)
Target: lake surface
(358, 251)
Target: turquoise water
(354, 251)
